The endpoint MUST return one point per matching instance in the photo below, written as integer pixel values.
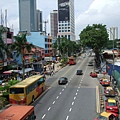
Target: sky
(87, 12)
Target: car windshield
(106, 80)
(111, 104)
(102, 118)
(62, 78)
(79, 70)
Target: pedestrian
(52, 72)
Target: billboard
(63, 10)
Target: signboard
(63, 10)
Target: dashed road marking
(67, 117)
(49, 108)
(53, 102)
(43, 116)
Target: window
(46, 40)
(16, 90)
(40, 81)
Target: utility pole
(45, 22)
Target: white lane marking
(72, 103)
(57, 97)
(64, 86)
(62, 89)
(77, 90)
(76, 94)
(60, 93)
(49, 108)
(78, 87)
(74, 98)
(67, 117)
(70, 109)
(80, 81)
(53, 102)
(43, 116)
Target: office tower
(54, 23)
(39, 21)
(66, 22)
(113, 33)
(27, 15)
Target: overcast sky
(90, 12)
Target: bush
(3, 102)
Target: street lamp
(113, 36)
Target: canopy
(10, 71)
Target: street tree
(95, 37)
(20, 45)
(65, 46)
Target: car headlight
(21, 97)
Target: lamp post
(113, 36)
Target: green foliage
(3, 102)
(94, 36)
(20, 45)
(110, 44)
(3, 47)
(66, 47)
(64, 60)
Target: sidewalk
(49, 68)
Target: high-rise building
(66, 22)
(113, 33)
(27, 15)
(54, 23)
(39, 21)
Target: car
(97, 70)
(62, 80)
(93, 74)
(112, 106)
(79, 72)
(90, 64)
(110, 92)
(106, 116)
(104, 82)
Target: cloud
(100, 11)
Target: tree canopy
(94, 36)
(66, 47)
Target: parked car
(106, 116)
(97, 70)
(105, 82)
(79, 72)
(62, 80)
(112, 106)
(110, 91)
(93, 74)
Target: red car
(110, 92)
(105, 82)
(112, 106)
(93, 74)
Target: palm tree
(20, 45)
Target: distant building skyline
(30, 19)
(113, 33)
(54, 23)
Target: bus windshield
(16, 90)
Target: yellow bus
(18, 113)
(26, 91)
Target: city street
(75, 100)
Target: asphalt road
(73, 101)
